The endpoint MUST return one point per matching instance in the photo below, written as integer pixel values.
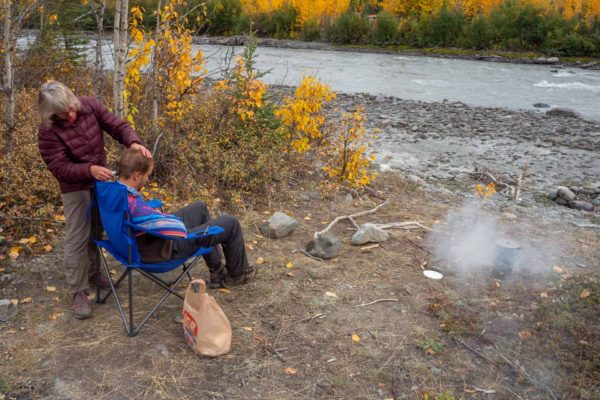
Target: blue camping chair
(111, 201)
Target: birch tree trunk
(9, 83)
(99, 8)
(155, 69)
(120, 51)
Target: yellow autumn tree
(302, 116)
(348, 154)
(173, 72)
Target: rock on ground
(279, 225)
(369, 233)
(563, 112)
(325, 246)
(8, 310)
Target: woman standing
(71, 142)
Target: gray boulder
(8, 310)
(325, 246)
(279, 225)
(581, 205)
(561, 201)
(563, 112)
(552, 60)
(541, 105)
(565, 193)
(596, 201)
(369, 233)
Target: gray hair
(55, 97)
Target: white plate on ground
(431, 274)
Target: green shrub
(478, 34)
(310, 30)
(386, 27)
(280, 23)
(223, 16)
(349, 27)
(518, 26)
(572, 44)
(445, 28)
(243, 25)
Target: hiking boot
(218, 277)
(82, 308)
(242, 279)
(100, 280)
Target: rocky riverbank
(496, 56)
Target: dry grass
(294, 324)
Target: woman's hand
(101, 174)
(145, 152)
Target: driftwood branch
(375, 302)
(359, 214)
(403, 225)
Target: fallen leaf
(544, 294)
(290, 264)
(355, 337)
(32, 240)
(557, 269)
(266, 212)
(307, 218)
(24, 240)
(53, 317)
(324, 222)
(26, 300)
(51, 288)
(2, 269)
(14, 252)
(14, 301)
(260, 260)
(113, 271)
(249, 247)
(290, 274)
(290, 371)
(56, 299)
(255, 242)
(2, 256)
(584, 293)
(247, 328)
(92, 296)
(525, 334)
(49, 230)
(430, 351)
(48, 247)
(331, 294)
(224, 290)
(59, 217)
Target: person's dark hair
(132, 161)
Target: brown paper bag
(205, 325)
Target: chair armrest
(209, 231)
(154, 203)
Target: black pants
(196, 218)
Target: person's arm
(54, 153)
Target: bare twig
(403, 225)
(354, 223)
(307, 254)
(359, 214)
(308, 319)
(371, 247)
(375, 302)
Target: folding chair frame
(131, 328)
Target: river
(430, 79)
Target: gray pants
(196, 218)
(81, 255)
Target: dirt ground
(321, 329)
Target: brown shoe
(242, 279)
(82, 308)
(100, 280)
(218, 277)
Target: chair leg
(131, 327)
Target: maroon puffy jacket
(69, 150)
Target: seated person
(134, 172)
